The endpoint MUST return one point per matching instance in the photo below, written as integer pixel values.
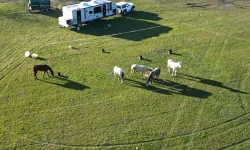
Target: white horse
(120, 72)
(174, 66)
(139, 68)
(153, 75)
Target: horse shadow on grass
(124, 28)
(176, 54)
(41, 58)
(66, 83)
(209, 82)
(170, 87)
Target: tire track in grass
(17, 64)
(199, 115)
(20, 46)
(20, 63)
(203, 29)
(178, 115)
(94, 146)
(238, 94)
(235, 144)
(5, 30)
(24, 137)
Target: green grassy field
(207, 106)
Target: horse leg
(44, 73)
(35, 72)
(168, 69)
(48, 73)
(173, 72)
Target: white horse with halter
(174, 66)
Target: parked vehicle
(85, 12)
(42, 5)
(125, 7)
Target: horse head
(179, 64)
(51, 71)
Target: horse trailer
(42, 5)
(77, 14)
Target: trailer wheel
(124, 13)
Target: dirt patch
(247, 66)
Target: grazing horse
(174, 66)
(153, 75)
(120, 72)
(44, 68)
(139, 68)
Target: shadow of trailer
(42, 5)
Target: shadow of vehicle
(144, 15)
(124, 28)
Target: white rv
(74, 15)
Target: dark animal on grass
(153, 75)
(170, 51)
(140, 57)
(44, 68)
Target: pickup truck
(125, 7)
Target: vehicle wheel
(132, 9)
(124, 13)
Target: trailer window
(90, 12)
(110, 6)
(97, 9)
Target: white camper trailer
(74, 15)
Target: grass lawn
(207, 106)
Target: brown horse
(44, 68)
